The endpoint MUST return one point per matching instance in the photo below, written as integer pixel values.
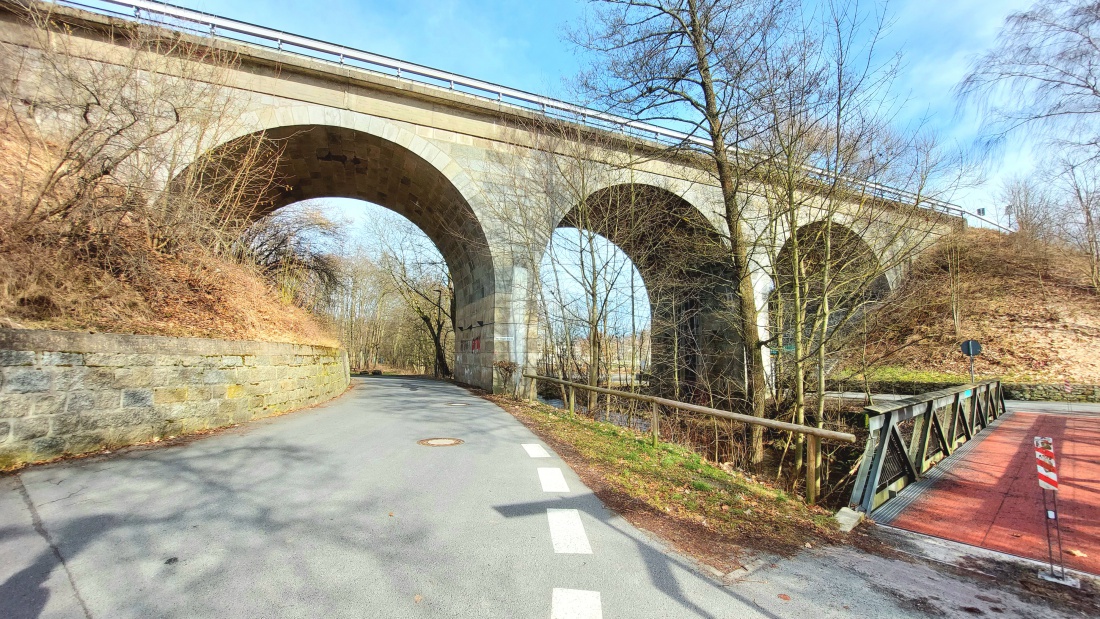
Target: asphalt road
(338, 512)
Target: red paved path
(991, 498)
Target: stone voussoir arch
(682, 257)
(336, 153)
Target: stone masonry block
(17, 405)
(48, 447)
(198, 393)
(265, 374)
(81, 402)
(49, 404)
(131, 378)
(235, 391)
(137, 397)
(215, 377)
(169, 395)
(86, 441)
(119, 420)
(62, 358)
(188, 376)
(5, 431)
(195, 410)
(118, 359)
(16, 357)
(239, 375)
(167, 376)
(26, 380)
(65, 425)
(30, 428)
(83, 378)
(168, 360)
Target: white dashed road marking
(552, 480)
(567, 532)
(535, 450)
(575, 604)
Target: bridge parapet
(504, 99)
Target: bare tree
(104, 135)
(295, 249)
(106, 130)
(564, 174)
(695, 64)
(1042, 73)
(363, 309)
(422, 279)
(1080, 182)
(1029, 206)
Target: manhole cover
(440, 442)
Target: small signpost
(1047, 467)
(971, 348)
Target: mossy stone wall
(69, 393)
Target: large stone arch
(685, 267)
(319, 160)
(878, 235)
(854, 267)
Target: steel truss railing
(206, 24)
(908, 437)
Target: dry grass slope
(113, 281)
(1027, 302)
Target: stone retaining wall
(69, 393)
(1036, 392)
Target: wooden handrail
(822, 433)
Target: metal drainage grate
(440, 442)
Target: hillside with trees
(1030, 303)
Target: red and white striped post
(1046, 466)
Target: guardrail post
(572, 401)
(655, 424)
(813, 444)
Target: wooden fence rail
(813, 435)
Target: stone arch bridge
(455, 155)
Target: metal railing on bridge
(906, 438)
(207, 24)
(813, 435)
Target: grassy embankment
(1029, 303)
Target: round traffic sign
(971, 348)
